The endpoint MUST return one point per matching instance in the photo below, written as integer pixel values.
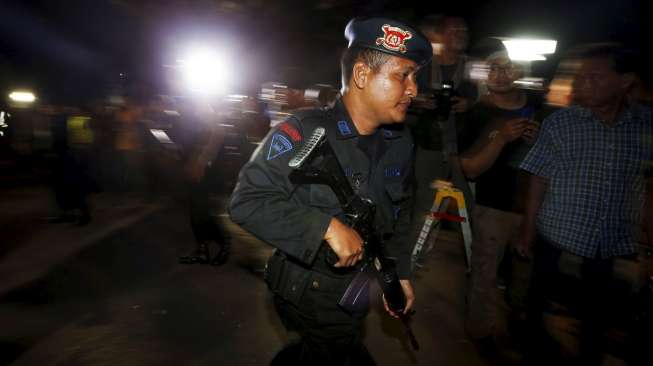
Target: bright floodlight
(529, 49)
(22, 96)
(204, 72)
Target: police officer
(303, 222)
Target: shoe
(222, 257)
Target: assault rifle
(316, 163)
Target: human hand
(459, 104)
(531, 132)
(345, 242)
(423, 102)
(513, 129)
(407, 287)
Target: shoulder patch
(278, 146)
(291, 131)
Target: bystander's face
(597, 84)
(389, 90)
(502, 74)
(455, 35)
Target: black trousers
(594, 299)
(71, 183)
(328, 336)
(204, 225)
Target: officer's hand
(345, 242)
(410, 298)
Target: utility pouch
(286, 279)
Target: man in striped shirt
(587, 191)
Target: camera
(436, 101)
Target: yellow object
(445, 193)
(79, 130)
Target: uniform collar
(345, 128)
(392, 132)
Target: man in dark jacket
(304, 222)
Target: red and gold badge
(394, 38)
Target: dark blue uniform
(294, 219)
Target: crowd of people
(146, 146)
(556, 178)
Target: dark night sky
(77, 47)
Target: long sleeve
(399, 246)
(264, 202)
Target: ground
(112, 292)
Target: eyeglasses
(509, 69)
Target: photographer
(445, 95)
(449, 37)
